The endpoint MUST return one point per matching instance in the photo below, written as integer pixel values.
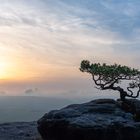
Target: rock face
(19, 131)
(101, 119)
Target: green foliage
(108, 72)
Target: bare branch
(131, 95)
(128, 88)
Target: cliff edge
(101, 119)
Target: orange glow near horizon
(15, 67)
(3, 69)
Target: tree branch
(137, 94)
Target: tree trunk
(122, 96)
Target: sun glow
(14, 71)
(3, 69)
(15, 67)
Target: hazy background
(42, 43)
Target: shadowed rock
(101, 119)
(19, 131)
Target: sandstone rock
(101, 119)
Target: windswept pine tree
(110, 77)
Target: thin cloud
(3, 92)
(32, 91)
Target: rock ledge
(101, 119)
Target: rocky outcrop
(19, 131)
(101, 119)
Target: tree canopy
(110, 76)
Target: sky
(42, 43)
